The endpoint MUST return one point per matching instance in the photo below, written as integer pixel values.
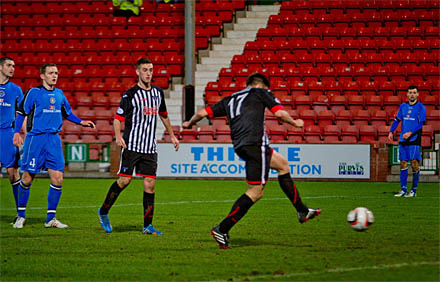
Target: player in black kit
(245, 112)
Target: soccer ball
(360, 219)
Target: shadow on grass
(29, 221)
(126, 228)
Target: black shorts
(257, 158)
(145, 164)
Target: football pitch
(268, 243)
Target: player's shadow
(126, 228)
(245, 242)
(33, 220)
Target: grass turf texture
(268, 243)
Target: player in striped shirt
(138, 110)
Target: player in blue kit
(45, 107)
(10, 97)
(412, 115)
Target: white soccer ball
(360, 219)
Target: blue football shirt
(10, 98)
(412, 118)
(45, 110)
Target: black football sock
(148, 208)
(111, 197)
(239, 209)
(291, 192)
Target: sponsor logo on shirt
(149, 110)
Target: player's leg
(23, 198)
(257, 160)
(416, 157)
(147, 168)
(280, 164)
(126, 167)
(404, 158)
(9, 156)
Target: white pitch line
(201, 202)
(336, 270)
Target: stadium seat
(295, 134)
(309, 117)
(427, 136)
(433, 119)
(331, 134)
(361, 117)
(349, 134)
(367, 133)
(325, 117)
(189, 134)
(277, 133)
(379, 117)
(312, 134)
(343, 118)
(374, 103)
(303, 102)
(338, 103)
(355, 103)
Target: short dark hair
(257, 78)
(45, 66)
(4, 59)
(142, 61)
(411, 87)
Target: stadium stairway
(233, 41)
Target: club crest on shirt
(52, 100)
(2, 93)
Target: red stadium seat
(379, 117)
(338, 103)
(343, 118)
(325, 117)
(312, 134)
(349, 134)
(309, 117)
(295, 135)
(433, 119)
(303, 102)
(361, 117)
(331, 134)
(368, 133)
(374, 103)
(356, 103)
(277, 133)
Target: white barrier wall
(305, 160)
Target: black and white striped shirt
(138, 109)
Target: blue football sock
(415, 182)
(52, 201)
(403, 178)
(15, 190)
(23, 197)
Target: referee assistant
(245, 112)
(138, 109)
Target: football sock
(15, 190)
(111, 197)
(53, 198)
(415, 182)
(289, 188)
(239, 209)
(23, 197)
(403, 178)
(148, 208)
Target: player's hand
(299, 123)
(407, 135)
(88, 123)
(390, 136)
(185, 124)
(120, 142)
(17, 140)
(175, 142)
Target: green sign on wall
(76, 153)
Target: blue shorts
(9, 154)
(409, 152)
(42, 151)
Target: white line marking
(204, 202)
(336, 270)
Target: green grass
(268, 243)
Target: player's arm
(395, 123)
(284, 116)
(201, 114)
(167, 123)
(67, 113)
(118, 136)
(23, 109)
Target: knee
(26, 179)
(415, 165)
(123, 182)
(149, 185)
(403, 164)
